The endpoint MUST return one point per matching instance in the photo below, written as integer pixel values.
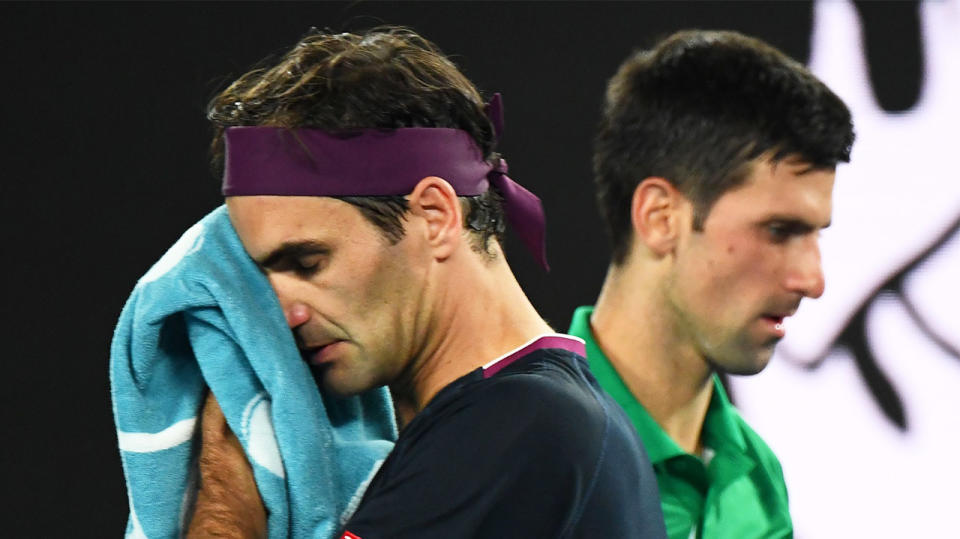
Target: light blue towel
(204, 315)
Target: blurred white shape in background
(850, 471)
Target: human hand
(228, 502)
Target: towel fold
(204, 315)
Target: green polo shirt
(735, 491)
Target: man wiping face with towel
(360, 176)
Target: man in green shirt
(714, 166)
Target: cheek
(748, 277)
(724, 265)
(379, 294)
(722, 277)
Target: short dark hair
(697, 110)
(387, 78)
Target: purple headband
(312, 162)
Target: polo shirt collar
(720, 427)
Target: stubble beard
(741, 357)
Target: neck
(662, 369)
(470, 325)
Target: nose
(805, 277)
(295, 311)
(296, 314)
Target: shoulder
(547, 393)
(543, 407)
(553, 409)
(513, 452)
(552, 389)
(532, 451)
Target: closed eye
(304, 266)
(303, 258)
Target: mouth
(774, 323)
(319, 354)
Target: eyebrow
(289, 250)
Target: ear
(434, 200)
(657, 213)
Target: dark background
(104, 164)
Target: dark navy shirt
(528, 446)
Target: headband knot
(524, 212)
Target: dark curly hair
(697, 110)
(386, 78)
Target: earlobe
(434, 200)
(655, 215)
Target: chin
(338, 386)
(342, 390)
(337, 392)
(743, 363)
(743, 370)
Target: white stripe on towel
(147, 442)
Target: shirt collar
(720, 427)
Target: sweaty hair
(384, 78)
(697, 110)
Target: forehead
(786, 189)
(264, 222)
